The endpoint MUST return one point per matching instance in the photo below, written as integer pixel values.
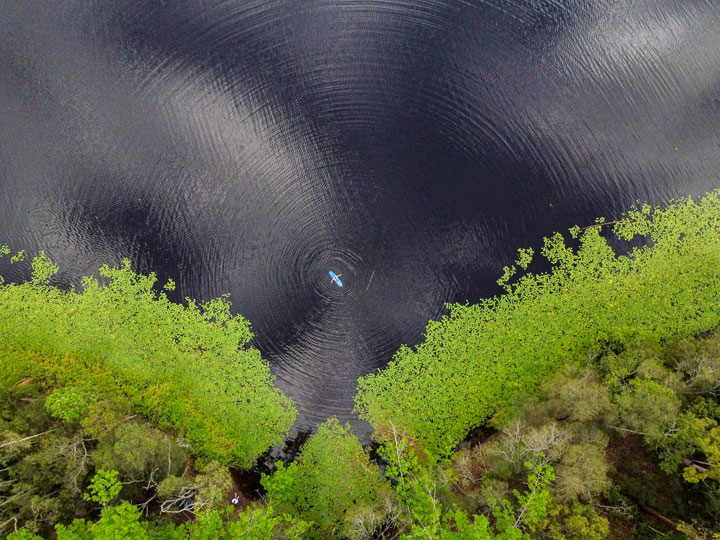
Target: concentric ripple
(250, 147)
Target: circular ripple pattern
(249, 147)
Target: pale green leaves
(104, 487)
(69, 404)
(42, 269)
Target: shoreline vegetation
(596, 384)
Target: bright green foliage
(69, 404)
(207, 527)
(420, 509)
(254, 524)
(481, 356)
(120, 522)
(79, 529)
(76, 387)
(580, 522)
(20, 256)
(104, 487)
(23, 534)
(186, 366)
(425, 510)
(696, 436)
(401, 463)
(458, 526)
(419, 493)
(533, 503)
(124, 522)
(332, 476)
(42, 268)
(264, 524)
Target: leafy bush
(135, 450)
(425, 513)
(121, 522)
(69, 404)
(23, 534)
(481, 356)
(332, 476)
(104, 487)
(580, 522)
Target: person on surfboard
(335, 278)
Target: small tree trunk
(694, 465)
(659, 516)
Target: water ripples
(409, 145)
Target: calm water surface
(249, 147)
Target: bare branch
(23, 492)
(28, 438)
(2, 525)
(144, 506)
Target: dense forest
(582, 403)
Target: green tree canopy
(332, 475)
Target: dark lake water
(249, 147)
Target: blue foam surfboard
(335, 278)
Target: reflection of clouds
(602, 99)
(102, 127)
(74, 123)
(628, 86)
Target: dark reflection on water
(251, 146)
